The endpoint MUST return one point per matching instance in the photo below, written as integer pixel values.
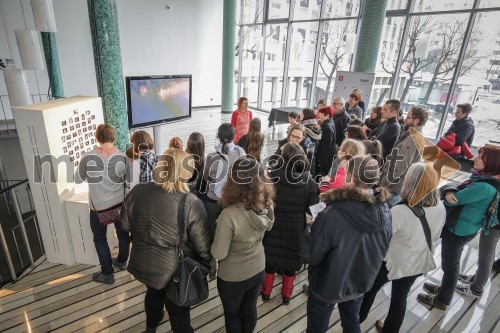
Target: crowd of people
(246, 217)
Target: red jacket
(336, 182)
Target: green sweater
(476, 198)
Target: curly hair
(247, 184)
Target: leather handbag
(111, 214)
(189, 285)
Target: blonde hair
(171, 173)
(352, 148)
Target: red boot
(267, 287)
(287, 288)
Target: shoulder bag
(189, 285)
(111, 214)
(420, 213)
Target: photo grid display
(78, 135)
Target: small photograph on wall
(94, 126)
(77, 125)
(85, 129)
(65, 130)
(77, 119)
(71, 120)
(65, 149)
(68, 137)
(63, 123)
(75, 134)
(63, 138)
(87, 112)
(72, 128)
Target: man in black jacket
(326, 147)
(341, 119)
(462, 126)
(388, 132)
(345, 246)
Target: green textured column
(108, 66)
(52, 61)
(370, 35)
(228, 44)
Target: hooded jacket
(347, 243)
(294, 194)
(104, 169)
(238, 242)
(150, 214)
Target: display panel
(158, 99)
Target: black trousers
(397, 309)
(154, 301)
(239, 300)
(273, 270)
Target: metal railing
(20, 240)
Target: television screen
(158, 99)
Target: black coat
(464, 129)
(346, 244)
(294, 195)
(388, 134)
(341, 121)
(326, 150)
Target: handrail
(14, 185)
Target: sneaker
(212, 275)
(431, 300)
(431, 288)
(496, 265)
(101, 278)
(305, 289)
(469, 279)
(466, 290)
(122, 266)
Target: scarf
(309, 122)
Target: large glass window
(333, 55)
(253, 11)
(424, 6)
(278, 9)
(396, 4)
(489, 3)
(307, 10)
(251, 53)
(274, 62)
(479, 83)
(301, 63)
(339, 9)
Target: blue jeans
(319, 313)
(451, 251)
(101, 244)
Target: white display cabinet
(77, 208)
(60, 131)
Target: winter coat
(341, 121)
(294, 194)
(408, 148)
(150, 214)
(238, 242)
(326, 150)
(346, 244)
(355, 110)
(464, 128)
(387, 133)
(312, 130)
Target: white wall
(187, 39)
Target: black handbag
(189, 285)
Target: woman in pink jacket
(241, 119)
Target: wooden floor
(63, 298)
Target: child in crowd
(293, 119)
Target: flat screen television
(158, 99)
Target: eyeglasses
(296, 137)
(338, 103)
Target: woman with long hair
(253, 142)
(150, 213)
(196, 148)
(296, 191)
(374, 149)
(217, 166)
(241, 119)
(409, 255)
(471, 200)
(248, 212)
(142, 156)
(375, 118)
